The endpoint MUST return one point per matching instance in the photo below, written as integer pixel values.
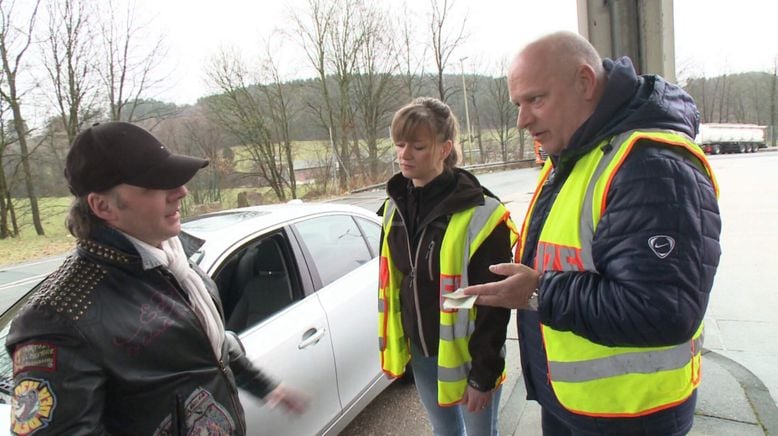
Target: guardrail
(477, 168)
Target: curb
(756, 392)
(512, 410)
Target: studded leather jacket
(106, 347)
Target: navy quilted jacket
(635, 298)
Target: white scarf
(173, 257)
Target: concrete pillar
(640, 29)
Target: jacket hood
(633, 102)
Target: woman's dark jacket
(122, 352)
(424, 215)
(635, 298)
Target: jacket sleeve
(488, 338)
(655, 250)
(247, 375)
(58, 386)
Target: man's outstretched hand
(513, 292)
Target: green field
(28, 245)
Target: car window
(372, 233)
(335, 244)
(257, 281)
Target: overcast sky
(711, 36)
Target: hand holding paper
(458, 300)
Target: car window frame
(374, 251)
(311, 264)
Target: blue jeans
(453, 420)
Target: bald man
(619, 246)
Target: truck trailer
(716, 138)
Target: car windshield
(216, 221)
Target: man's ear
(101, 206)
(586, 81)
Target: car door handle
(311, 337)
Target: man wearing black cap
(127, 337)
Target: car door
(346, 274)
(284, 332)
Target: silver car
(298, 283)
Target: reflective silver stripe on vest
(453, 374)
(477, 222)
(389, 208)
(381, 306)
(586, 226)
(462, 328)
(642, 362)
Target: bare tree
(15, 40)
(130, 55)
(446, 37)
(69, 62)
(240, 110)
(345, 41)
(280, 111)
(313, 28)
(332, 38)
(8, 224)
(411, 64)
(473, 114)
(375, 91)
(503, 112)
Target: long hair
(432, 115)
(80, 220)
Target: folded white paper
(458, 300)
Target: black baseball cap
(109, 154)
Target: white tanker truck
(717, 138)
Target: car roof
(221, 230)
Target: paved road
(741, 321)
(15, 280)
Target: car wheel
(716, 149)
(741, 148)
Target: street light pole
(467, 113)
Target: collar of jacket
(450, 192)
(114, 244)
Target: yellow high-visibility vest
(589, 378)
(466, 231)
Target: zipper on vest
(414, 268)
(414, 260)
